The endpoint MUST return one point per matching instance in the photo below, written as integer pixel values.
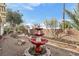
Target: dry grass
(72, 35)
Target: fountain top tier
(38, 27)
(38, 31)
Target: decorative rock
(0, 49)
(21, 42)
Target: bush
(21, 29)
(8, 30)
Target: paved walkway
(59, 51)
(10, 48)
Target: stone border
(26, 53)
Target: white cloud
(34, 4)
(12, 5)
(30, 6)
(27, 6)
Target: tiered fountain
(38, 40)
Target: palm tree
(74, 17)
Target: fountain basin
(43, 41)
(38, 49)
(38, 34)
(31, 52)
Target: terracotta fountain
(38, 41)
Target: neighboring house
(2, 17)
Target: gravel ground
(10, 48)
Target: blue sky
(38, 12)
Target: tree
(74, 17)
(13, 17)
(65, 25)
(46, 22)
(52, 24)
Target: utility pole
(63, 15)
(63, 11)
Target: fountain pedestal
(38, 49)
